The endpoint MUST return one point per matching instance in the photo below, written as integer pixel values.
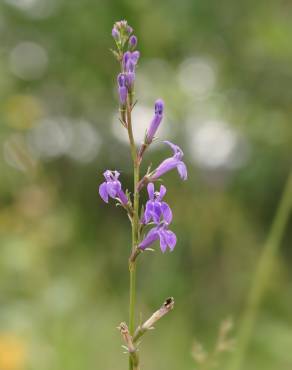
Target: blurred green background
(224, 71)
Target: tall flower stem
(135, 227)
(262, 275)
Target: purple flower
(112, 187)
(166, 237)
(170, 163)
(155, 208)
(122, 89)
(133, 41)
(159, 107)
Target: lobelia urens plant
(156, 214)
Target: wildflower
(170, 163)
(155, 208)
(112, 187)
(159, 107)
(122, 89)
(166, 237)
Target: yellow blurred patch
(23, 111)
(13, 352)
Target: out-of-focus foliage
(224, 70)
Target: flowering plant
(156, 212)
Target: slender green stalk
(135, 229)
(132, 298)
(262, 275)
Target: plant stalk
(135, 231)
(262, 274)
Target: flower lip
(177, 152)
(156, 195)
(150, 189)
(111, 175)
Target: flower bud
(135, 56)
(115, 34)
(133, 42)
(129, 30)
(130, 79)
(159, 107)
(122, 88)
(126, 58)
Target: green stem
(132, 298)
(262, 274)
(135, 229)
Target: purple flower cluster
(157, 211)
(122, 34)
(160, 213)
(130, 60)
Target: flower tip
(159, 106)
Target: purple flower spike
(133, 41)
(123, 92)
(159, 107)
(112, 187)
(156, 209)
(166, 237)
(170, 163)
